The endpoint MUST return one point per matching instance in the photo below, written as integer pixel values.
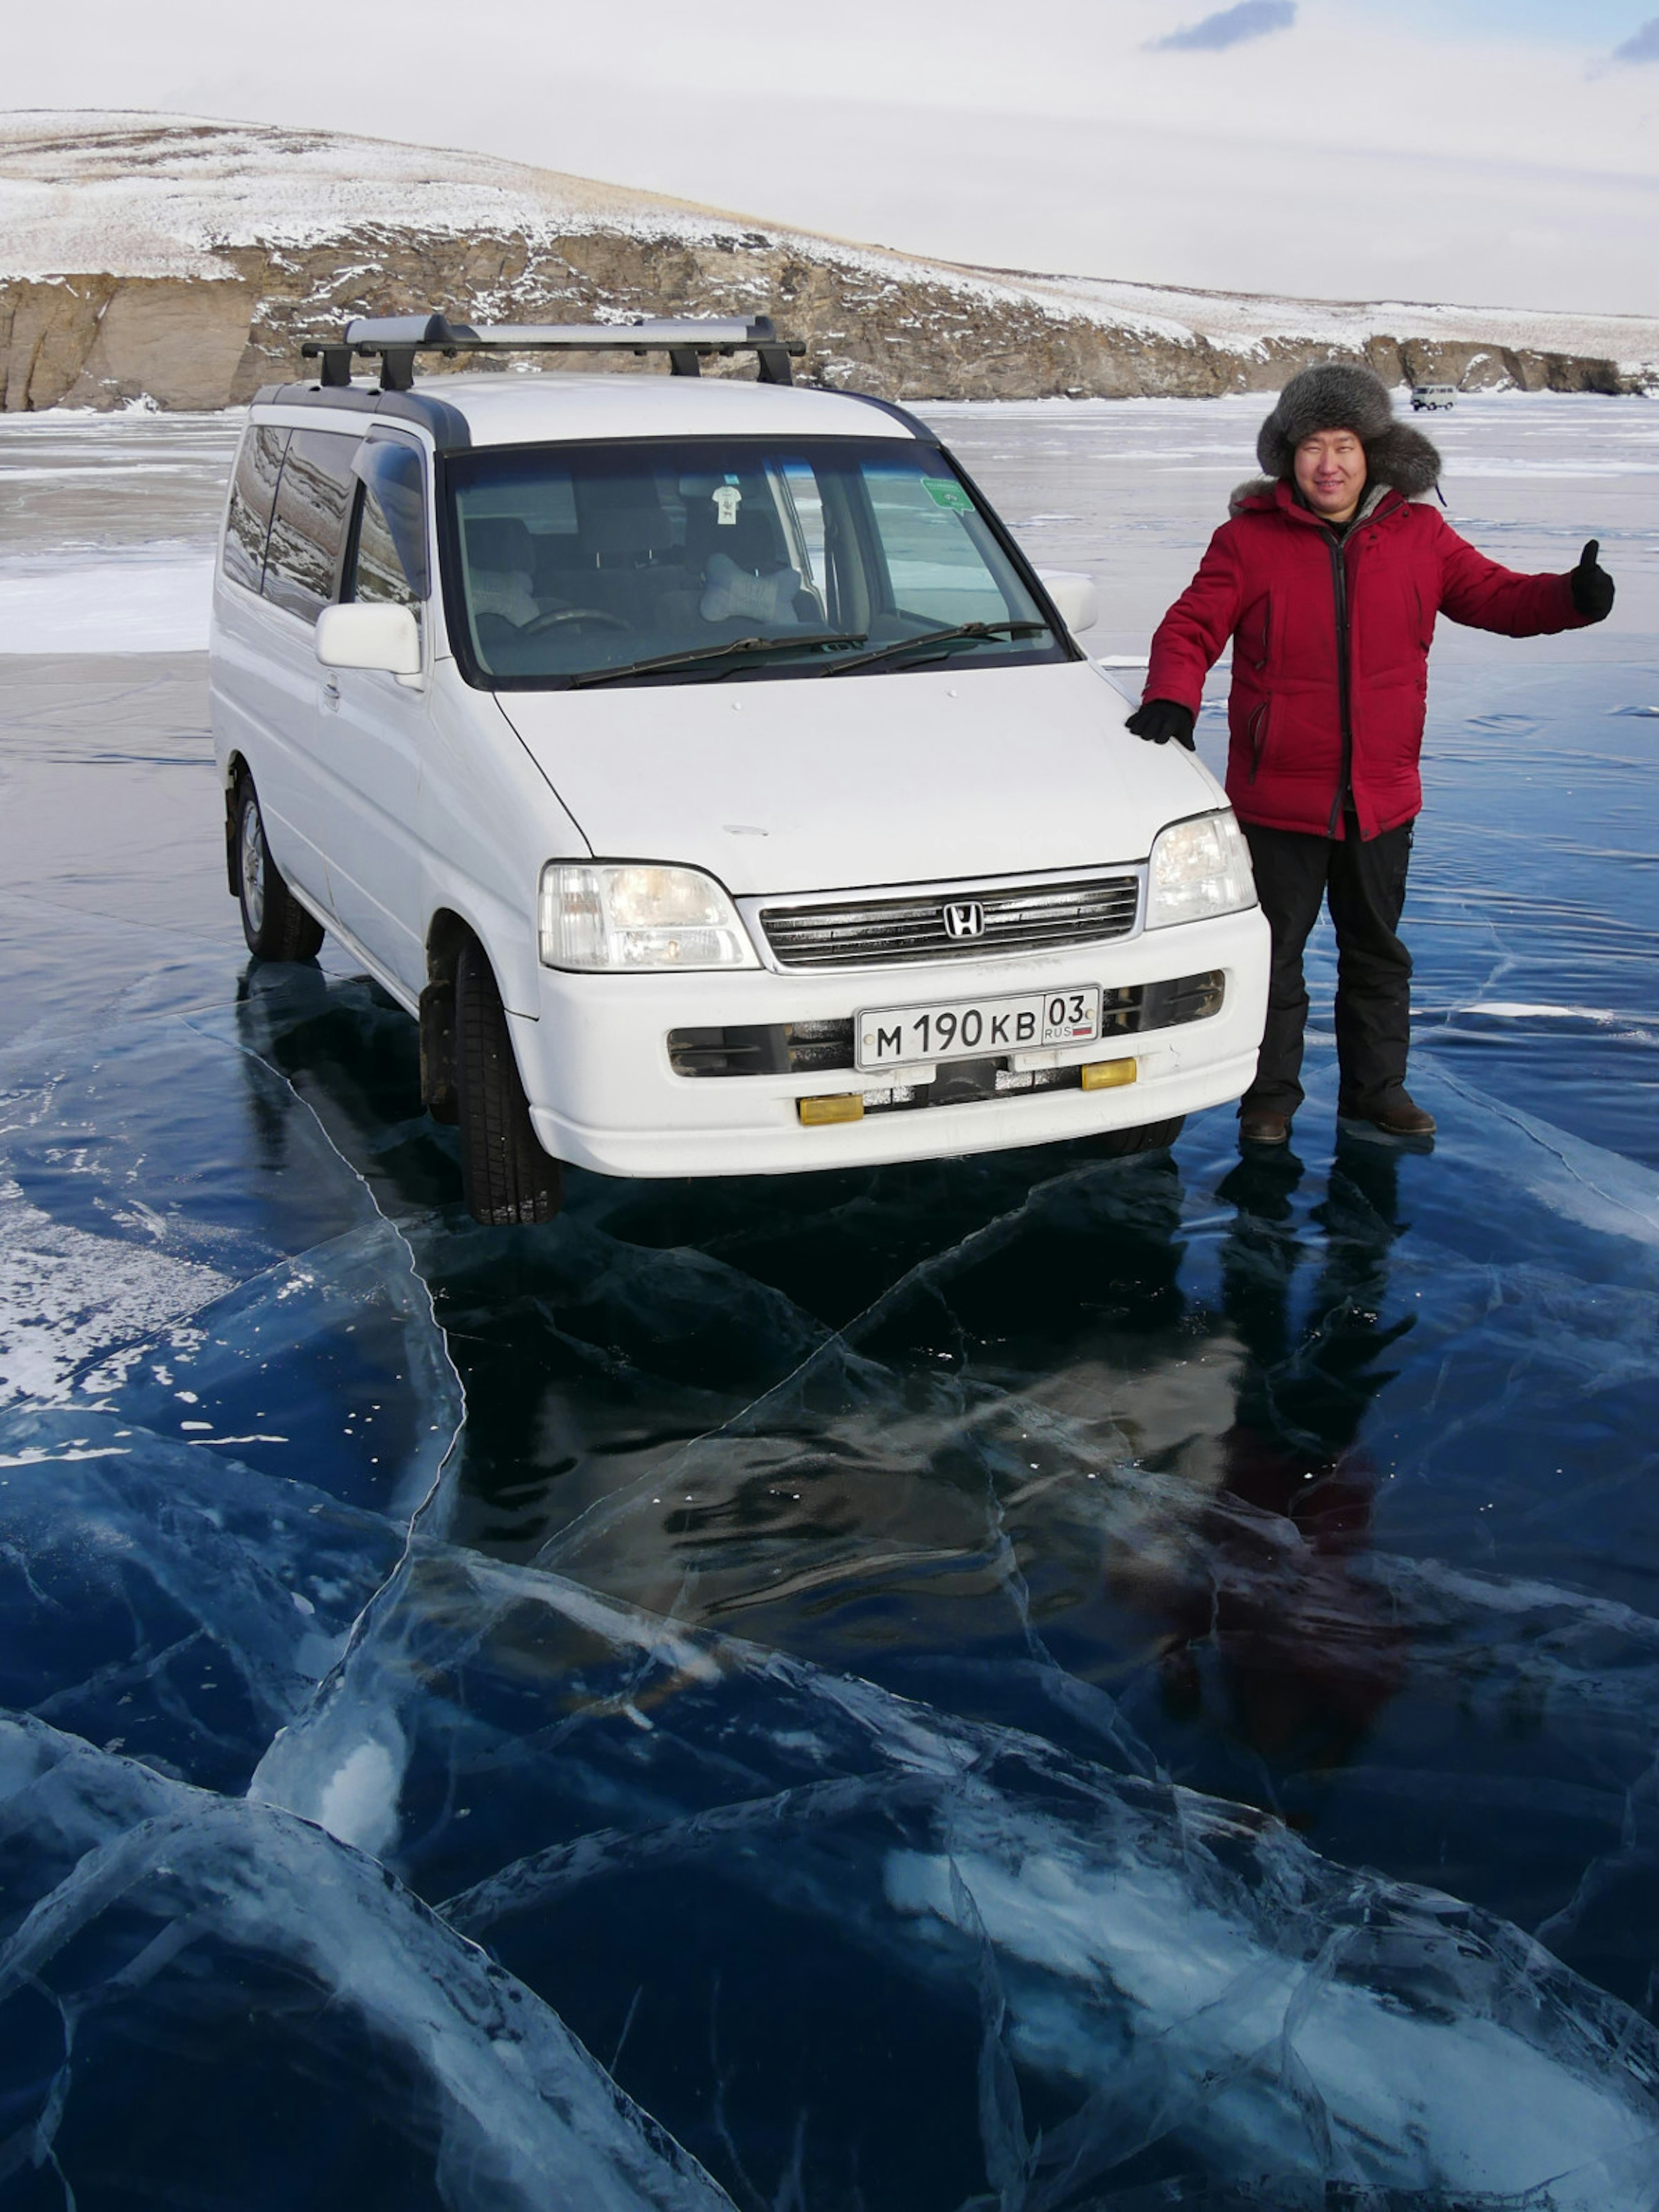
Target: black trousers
(1364, 881)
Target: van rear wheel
(275, 924)
(506, 1177)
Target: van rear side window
(307, 531)
(252, 495)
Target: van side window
(307, 531)
(389, 551)
(252, 495)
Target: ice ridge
(239, 1935)
(1162, 1977)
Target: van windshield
(577, 563)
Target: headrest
(500, 542)
(754, 541)
(622, 514)
(627, 530)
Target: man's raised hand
(1592, 586)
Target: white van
(1433, 396)
(702, 764)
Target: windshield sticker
(728, 499)
(946, 492)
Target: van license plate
(966, 1029)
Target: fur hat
(1342, 396)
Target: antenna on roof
(687, 341)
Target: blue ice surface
(1040, 1681)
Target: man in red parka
(1328, 579)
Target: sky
(1488, 151)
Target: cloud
(1642, 45)
(1250, 19)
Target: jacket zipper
(1340, 585)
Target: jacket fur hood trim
(1344, 396)
(1254, 493)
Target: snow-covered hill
(136, 194)
(184, 258)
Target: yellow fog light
(847, 1106)
(1109, 1074)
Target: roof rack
(396, 340)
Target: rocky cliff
(183, 261)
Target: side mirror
(366, 634)
(1074, 595)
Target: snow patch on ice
(1521, 1010)
(359, 1801)
(69, 1298)
(100, 605)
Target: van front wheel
(506, 1177)
(275, 924)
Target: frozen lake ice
(1035, 1682)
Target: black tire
(1151, 1136)
(275, 924)
(506, 1177)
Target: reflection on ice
(1033, 1462)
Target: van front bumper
(604, 1094)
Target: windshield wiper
(967, 629)
(693, 655)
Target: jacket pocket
(1255, 736)
(1255, 631)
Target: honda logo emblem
(964, 918)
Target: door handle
(332, 693)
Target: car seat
(500, 569)
(750, 550)
(628, 556)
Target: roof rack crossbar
(687, 340)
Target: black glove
(1592, 586)
(1160, 719)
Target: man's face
(1330, 473)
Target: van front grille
(880, 932)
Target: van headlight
(629, 915)
(1198, 868)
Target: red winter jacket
(1306, 717)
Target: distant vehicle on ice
(529, 688)
(1433, 395)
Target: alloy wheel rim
(253, 866)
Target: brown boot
(1401, 1117)
(1260, 1127)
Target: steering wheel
(556, 617)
